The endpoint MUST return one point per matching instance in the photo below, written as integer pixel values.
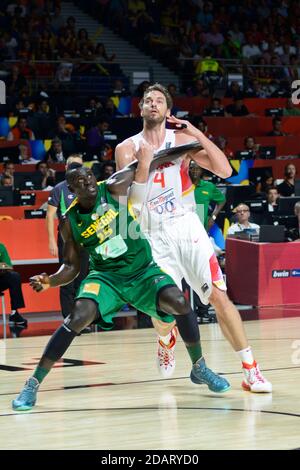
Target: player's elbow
(226, 173)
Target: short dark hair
(248, 137)
(8, 162)
(162, 89)
(269, 188)
(38, 164)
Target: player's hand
(53, 248)
(40, 282)
(4, 268)
(145, 153)
(182, 126)
(210, 223)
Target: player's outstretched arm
(70, 268)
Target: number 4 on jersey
(160, 178)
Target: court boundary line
(108, 384)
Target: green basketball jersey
(110, 235)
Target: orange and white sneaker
(254, 381)
(165, 355)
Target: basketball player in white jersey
(180, 244)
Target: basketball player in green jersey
(121, 270)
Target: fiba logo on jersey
(2, 92)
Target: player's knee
(173, 301)
(219, 299)
(84, 313)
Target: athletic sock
(40, 373)
(165, 339)
(195, 351)
(55, 349)
(246, 356)
(189, 331)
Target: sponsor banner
(281, 273)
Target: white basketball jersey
(170, 192)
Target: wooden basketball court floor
(107, 394)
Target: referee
(59, 200)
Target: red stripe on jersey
(186, 181)
(216, 273)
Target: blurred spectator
(64, 72)
(294, 234)
(110, 110)
(107, 153)
(272, 198)
(213, 37)
(11, 45)
(250, 50)
(172, 89)
(237, 108)
(201, 124)
(292, 72)
(290, 109)
(101, 55)
(7, 180)
(55, 154)
(66, 134)
(42, 119)
(266, 182)
(25, 51)
(242, 212)
(251, 145)
(95, 136)
(9, 168)
(234, 90)
(25, 154)
(71, 24)
(10, 279)
(287, 188)
(277, 128)
(119, 89)
(221, 142)
(108, 168)
(46, 174)
(21, 131)
(16, 82)
(199, 89)
(256, 90)
(11, 8)
(142, 87)
(83, 39)
(236, 34)
(67, 44)
(215, 109)
(231, 48)
(57, 20)
(209, 69)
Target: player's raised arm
(68, 271)
(210, 157)
(125, 154)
